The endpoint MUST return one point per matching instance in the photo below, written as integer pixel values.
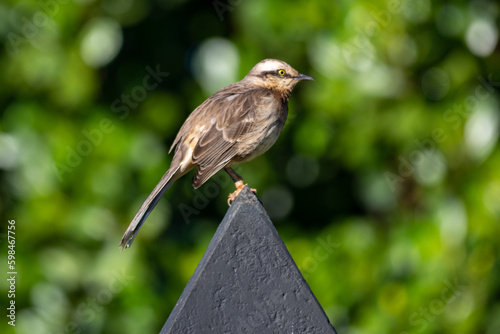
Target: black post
(247, 282)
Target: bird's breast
(265, 134)
(269, 137)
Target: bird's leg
(238, 182)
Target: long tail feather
(149, 204)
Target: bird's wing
(232, 118)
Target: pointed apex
(247, 282)
(246, 196)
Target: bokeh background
(384, 185)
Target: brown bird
(236, 124)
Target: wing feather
(220, 143)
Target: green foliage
(384, 183)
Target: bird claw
(239, 187)
(232, 196)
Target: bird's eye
(281, 72)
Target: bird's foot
(239, 187)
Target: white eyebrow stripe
(271, 65)
(231, 97)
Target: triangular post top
(247, 282)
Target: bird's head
(275, 75)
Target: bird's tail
(149, 204)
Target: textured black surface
(247, 282)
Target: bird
(236, 124)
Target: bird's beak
(302, 77)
